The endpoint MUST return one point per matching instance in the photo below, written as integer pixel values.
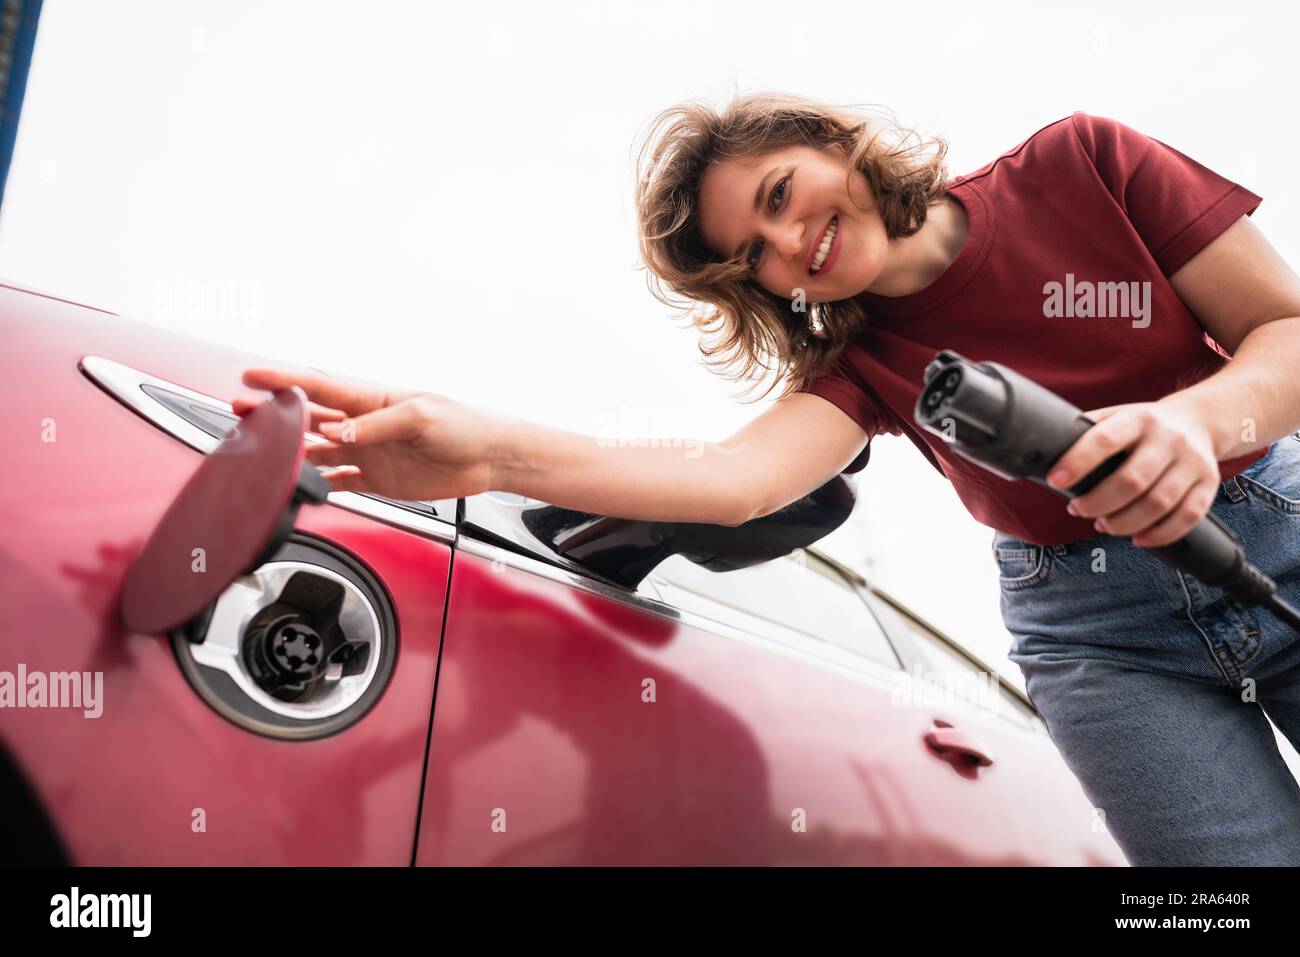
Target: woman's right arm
(793, 447)
(413, 445)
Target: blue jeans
(1155, 687)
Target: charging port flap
(235, 511)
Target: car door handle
(956, 747)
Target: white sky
(441, 195)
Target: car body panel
(547, 749)
(132, 785)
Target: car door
(1045, 802)
(581, 723)
(923, 763)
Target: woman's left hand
(1165, 486)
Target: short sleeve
(1176, 205)
(837, 388)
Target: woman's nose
(790, 243)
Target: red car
(264, 675)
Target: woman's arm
(413, 445)
(1245, 295)
(793, 447)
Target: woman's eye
(779, 187)
(778, 194)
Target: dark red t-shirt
(1083, 202)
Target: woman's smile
(800, 218)
(824, 254)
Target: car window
(964, 677)
(798, 591)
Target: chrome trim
(123, 383)
(694, 593)
(787, 641)
(955, 645)
(778, 638)
(426, 526)
(864, 585)
(852, 574)
(538, 566)
(222, 645)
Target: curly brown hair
(743, 325)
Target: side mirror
(625, 550)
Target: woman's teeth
(825, 247)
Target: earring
(815, 325)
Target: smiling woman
(772, 214)
(807, 241)
(774, 206)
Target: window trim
(774, 638)
(917, 656)
(732, 616)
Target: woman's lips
(835, 247)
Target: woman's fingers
(1126, 486)
(1098, 414)
(1154, 504)
(320, 413)
(1193, 507)
(243, 405)
(328, 453)
(352, 397)
(1112, 434)
(347, 479)
(393, 424)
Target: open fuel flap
(284, 634)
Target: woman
(832, 252)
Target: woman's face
(800, 191)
